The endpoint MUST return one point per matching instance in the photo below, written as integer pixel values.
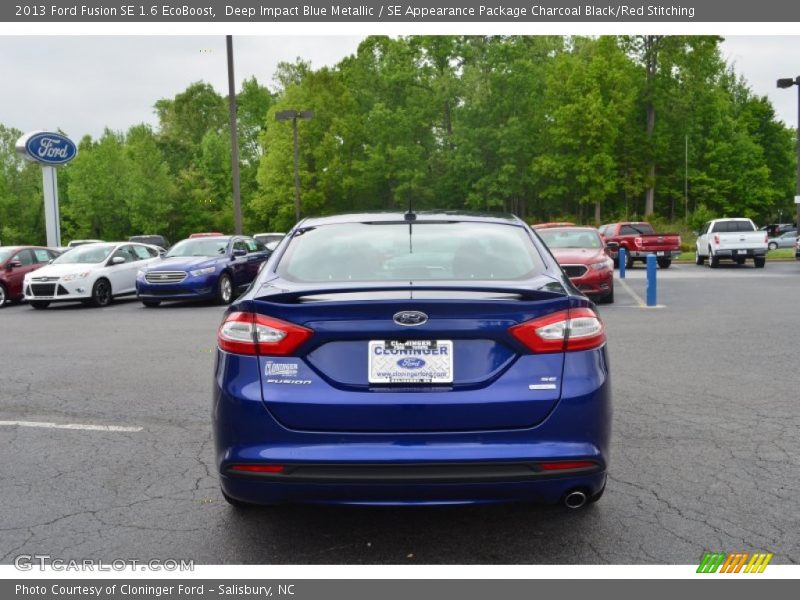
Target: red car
(206, 234)
(640, 240)
(553, 224)
(584, 258)
(15, 262)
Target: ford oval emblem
(47, 148)
(410, 318)
(410, 363)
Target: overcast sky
(83, 84)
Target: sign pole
(52, 221)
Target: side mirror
(117, 260)
(14, 264)
(239, 252)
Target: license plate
(741, 252)
(661, 253)
(411, 361)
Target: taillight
(256, 468)
(716, 239)
(563, 331)
(254, 334)
(637, 242)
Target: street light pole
(787, 83)
(293, 115)
(237, 195)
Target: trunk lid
(333, 383)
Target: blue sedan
(429, 358)
(209, 268)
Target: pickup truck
(640, 240)
(731, 239)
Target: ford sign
(47, 148)
(410, 363)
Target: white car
(731, 239)
(270, 240)
(92, 273)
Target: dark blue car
(208, 268)
(426, 358)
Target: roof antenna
(410, 217)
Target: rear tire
(3, 295)
(664, 263)
(101, 293)
(598, 495)
(39, 304)
(773, 246)
(628, 260)
(224, 289)
(151, 303)
(237, 504)
(759, 262)
(608, 298)
(698, 258)
(713, 261)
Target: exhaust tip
(575, 499)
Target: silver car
(785, 240)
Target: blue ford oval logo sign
(410, 363)
(47, 148)
(409, 318)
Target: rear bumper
(409, 467)
(739, 253)
(548, 491)
(658, 253)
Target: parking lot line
(83, 427)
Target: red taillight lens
(563, 331)
(255, 334)
(258, 468)
(567, 465)
(637, 242)
(716, 240)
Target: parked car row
(206, 266)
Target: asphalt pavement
(107, 452)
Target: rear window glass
(636, 229)
(733, 226)
(570, 238)
(397, 252)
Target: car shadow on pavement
(413, 535)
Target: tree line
(548, 127)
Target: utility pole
(293, 116)
(237, 194)
(787, 83)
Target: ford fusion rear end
(381, 361)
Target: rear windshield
(85, 255)
(636, 229)
(200, 247)
(733, 226)
(570, 238)
(399, 252)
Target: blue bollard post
(621, 259)
(652, 286)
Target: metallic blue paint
(325, 412)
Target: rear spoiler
(551, 289)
